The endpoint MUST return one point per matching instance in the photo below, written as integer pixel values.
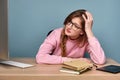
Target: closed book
(66, 70)
(77, 65)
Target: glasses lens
(74, 27)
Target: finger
(89, 15)
(84, 17)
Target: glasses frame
(74, 26)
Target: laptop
(4, 52)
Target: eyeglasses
(74, 26)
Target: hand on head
(88, 20)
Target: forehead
(76, 20)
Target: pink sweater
(51, 45)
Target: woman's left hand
(88, 21)
(88, 24)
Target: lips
(68, 30)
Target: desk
(51, 72)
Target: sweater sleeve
(95, 50)
(43, 55)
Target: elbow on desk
(38, 59)
(100, 61)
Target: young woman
(72, 41)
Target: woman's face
(73, 29)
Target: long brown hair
(82, 39)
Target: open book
(76, 66)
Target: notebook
(77, 65)
(74, 71)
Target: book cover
(77, 65)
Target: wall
(30, 20)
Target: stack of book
(76, 66)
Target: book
(66, 70)
(69, 71)
(77, 65)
